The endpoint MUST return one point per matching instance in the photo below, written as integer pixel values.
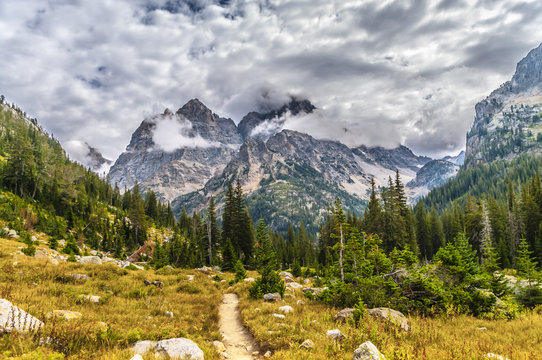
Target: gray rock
(335, 334)
(272, 297)
(14, 319)
(286, 309)
(294, 285)
(13, 234)
(168, 314)
(307, 344)
(368, 351)
(143, 347)
(344, 315)
(79, 277)
(391, 315)
(249, 279)
(90, 260)
(314, 291)
(41, 254)
(279, 316)
(179, 348)
(219, 346)
(136, 357)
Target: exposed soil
(238, 341)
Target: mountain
(176, 153)
(458, 160)
(188, 156)
(509, 121)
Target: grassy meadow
(129, 311)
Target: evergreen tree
(372, 218)
(422, 232)
(229, 257)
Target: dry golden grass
(435, 339)
(129, 310)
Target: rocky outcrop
(507, 122)
(367, 351)
(13, 318)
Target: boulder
(90, 260)
(335, 334)
(307, 344)
(294, 285)
(286, 274)
(79, 277)
(272, 297)
(168, 314)
(143, 347)
(286, 309)
(306, 281)
(344, 315)
(14, 319)
(178, 349)
(64, 315)
(368, 351)
(13, 234)
(391, 315)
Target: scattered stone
(169, 314)
(285, 274)
(300, 302)
(250, 279)
(190, 277)
(307, 344)
(391, 315)
(306, 281)
(64, 315)
(368, 351)
(61, 242)
(13, 234)
(344, 315)
(224, 355)
(90, 260)
(495, 356)
(54, 261)
(335, 334)
(14, 319)
(143, 347)
(272, 297)
(93, 253)
(294, 285)
(179, 348)
(219, 346)
(482, 328)
(279, 316)
(205, 269)
(286, 309)
(267, 354)
(136, 357)
(91, 298)
(79, 277)
(290, 296)
(255, 353)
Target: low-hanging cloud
(174, 132)
(94, 69)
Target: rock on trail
(238, 341)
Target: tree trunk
(341, 253)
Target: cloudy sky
(380, 72)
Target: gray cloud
(92, 70)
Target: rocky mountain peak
(195, 110)
(264, 125)
(528, 71)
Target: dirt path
(238, 341)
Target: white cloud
(174, 132)
(95, 69)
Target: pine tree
(340, 230)
(229, 257)
(524, 263)
(372, 218)
(137, 216)
(422, 232)
(211, 233)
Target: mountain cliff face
(188, 156)
(508, 122)
(211, 142)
